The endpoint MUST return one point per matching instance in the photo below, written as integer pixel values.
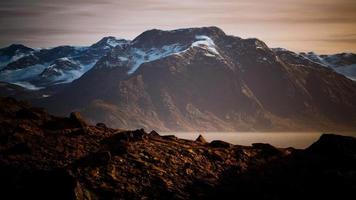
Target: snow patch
(349, 71)
(113, 42)
(140, 56)
(205, 42)
(27, 85)
(71, 75)
(121, 58)
(17, 56)
(21, 75)
(209, 55)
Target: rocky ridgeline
(47, 157)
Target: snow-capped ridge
(205, 42)
(109, 42)
(137, 54)
(48, 66)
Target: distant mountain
(202, 79)
(40, 68)
(343, 63)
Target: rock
(334, 145)
(95, 159)
(220, 144)
(201, 139)
(41, 163)
(266, 149)
(78, 120)
(101, 125)
(215, 155)
(127, 136)
(153, 133)
(169, 137)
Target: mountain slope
(202, 79)
(41, 68)
(343, 63)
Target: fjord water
(298, 140)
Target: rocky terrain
(48, 157)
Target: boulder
(101, 125)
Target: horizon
(324, 27)
(131, 39)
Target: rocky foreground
(48, 157)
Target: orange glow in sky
(323, 26)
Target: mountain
(47, 157)
(41, 68)
(202, 79)
(343, 63)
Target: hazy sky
(323, 26)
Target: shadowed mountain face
(203, 79)
(48, 157)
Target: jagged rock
(201, 139)
(153, 133)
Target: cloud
(82, 21)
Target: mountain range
(187, 80)
(39, 68)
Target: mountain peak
(157, 37)
(108, 42)
(12, 49)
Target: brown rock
(153, 133)
(77, 118)
(170, 137)
(101, 125)
(201, 139)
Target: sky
(322, 26)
